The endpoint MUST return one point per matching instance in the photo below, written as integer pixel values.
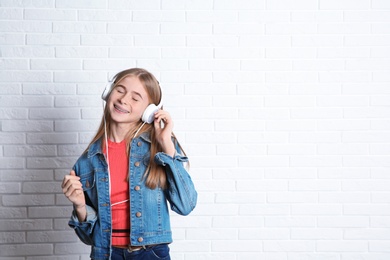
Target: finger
(72, 184)
(72, 173)
(71, 189)
(68, 178)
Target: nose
(124, 99)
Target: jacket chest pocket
(87, 181)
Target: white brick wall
(283, 107)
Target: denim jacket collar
(96, 148)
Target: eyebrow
(138, 94)
(134, 92)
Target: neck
(119, 131)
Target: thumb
(72, 173)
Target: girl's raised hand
(163, 125)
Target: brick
(50, 14)
(292, 197)
(136, 52)
(106, 40)
(25, 26)
(316, 16)
(180, 5)
(366, 256)
(28, 200)
(85, 125)
(290, 28)
(12, 237)
(74, 4)
(26, 249)
(52, 39)
(314, 185)
(268, 16)
(27, 51)
(26, 151)
(51, 236)
(30, 126)
(341, 246)
(41, 187)
(344, 52)
(12, 64)
(50, 162)
(319, 113)
(11, 163)
(344, 4)
(25, 76)
(57, 64)
(26, 175)
(57, 138)
(261, 185)
(237, 245)
(13, 113)
(81, 52)
(334, 125)
(290, 52)
(340, 149)
(79, 27)
(379, 246)
(343, 222)
(264, 234)
(25, 224)
(296, 5)
(104, 15)
(215, 234)
(212, 16)
(12, 213)
(159, 16)
(316, 209)
(132, 28)
(9, 188)
(122, 4)
(289, 246)
(344, 197)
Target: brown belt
(131, 248)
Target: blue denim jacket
(149, 217)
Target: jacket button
(136, 164)
(139, 144)
(140, 239)
(137, 188)
(138, 214)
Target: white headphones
(148, 115)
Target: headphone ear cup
(106, 92)
(148, 115)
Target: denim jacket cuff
(91, 217)
(162, 158)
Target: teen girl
(121, 185)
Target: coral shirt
(120, 205)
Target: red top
(120, 205)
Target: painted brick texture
(282, 106)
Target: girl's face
(128, 100)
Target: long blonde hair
(155, 174)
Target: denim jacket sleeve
(83, 229)
(181, 192)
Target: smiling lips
(121, 110)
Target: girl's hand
(163, 125)
(73, 190)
